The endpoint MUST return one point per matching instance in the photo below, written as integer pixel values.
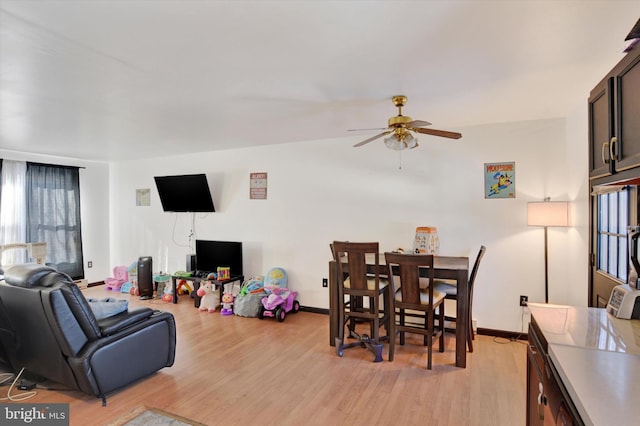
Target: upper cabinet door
(614, 124)
(627, 112)
(601, 129)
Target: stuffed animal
(208, 293)
(227, 304)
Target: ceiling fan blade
(375, 128)
(371, 139)
(418, 123)
(435, 132)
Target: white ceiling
(113, 80)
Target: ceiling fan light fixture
(399, 128)
(399, 141)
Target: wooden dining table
(445, 267)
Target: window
(612, 222)
(50, 195)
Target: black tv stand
(196, 285)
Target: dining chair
(404, 281)
(451, 290)
(358, 281)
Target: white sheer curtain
(13, 214)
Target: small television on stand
(211, 254)
(185, 193)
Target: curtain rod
(55, 165)
(45, 164)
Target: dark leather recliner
(56, 335)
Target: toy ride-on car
(278, 303)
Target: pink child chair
(120, 276)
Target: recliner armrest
(113, 324)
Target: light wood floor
(231, 370)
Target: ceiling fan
(401, 127)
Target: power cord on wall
(192, 232)
(20, 384)
(514, 339)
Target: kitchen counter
(598, 359)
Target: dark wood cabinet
(614, 156)
(614, 127)
(548, 402)
(535, 396)
(601, 129)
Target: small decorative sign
(258, 186)
(500, 180)
(143, 197)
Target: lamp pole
(546, 268)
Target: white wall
(326, 190)
(577, 152)
(94, 205)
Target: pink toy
(227, 304)
(209, 295)
(280, 301)
(120, 276)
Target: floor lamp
(547, 213)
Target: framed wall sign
(500, 180)
(258, 186)
(143, 197)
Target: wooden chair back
(408, 269)
(407, 295)
(351, 259)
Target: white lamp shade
(548, 213)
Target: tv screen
(185, 193)
(211, 254)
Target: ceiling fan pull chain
(399, 160)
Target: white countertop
(598, 359)
(586, 327)
(604, 386)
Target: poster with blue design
(500, 180)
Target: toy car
(278, 303)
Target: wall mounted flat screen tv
(185, 193)
(211, 254)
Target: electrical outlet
(89, 264)
(524, 300)
(325, 282)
